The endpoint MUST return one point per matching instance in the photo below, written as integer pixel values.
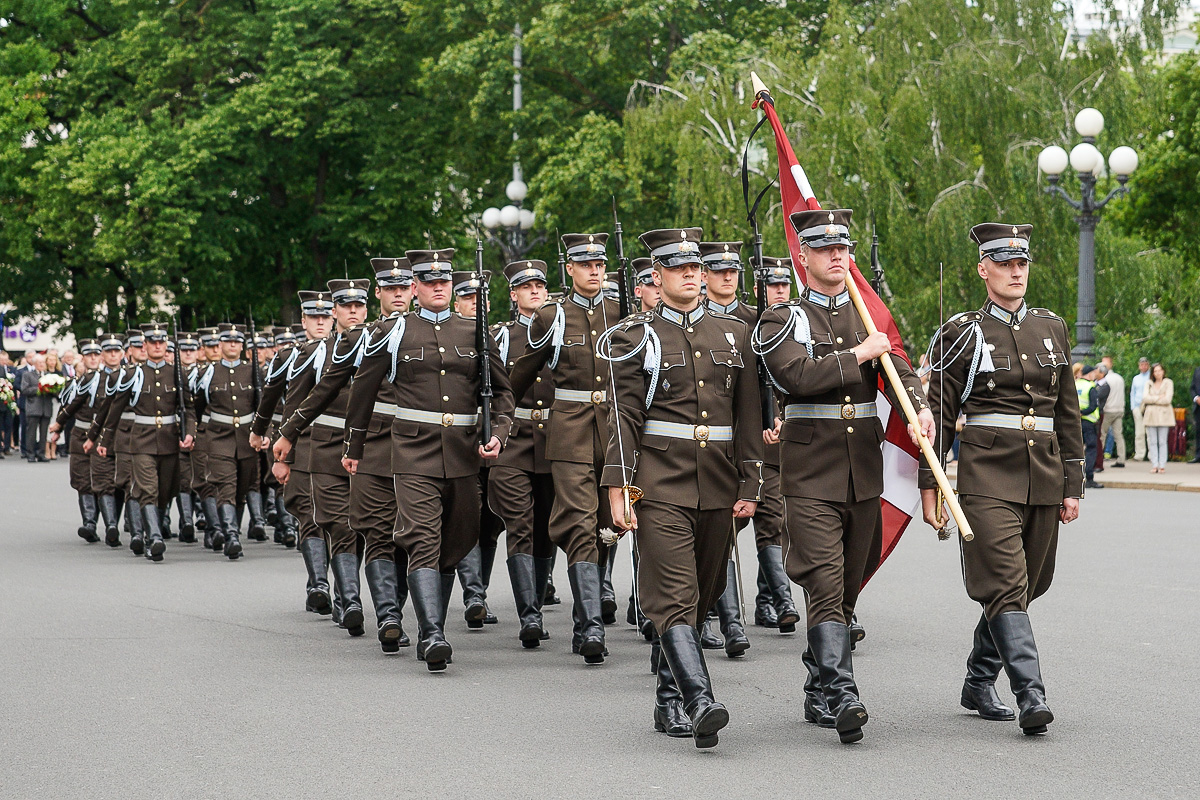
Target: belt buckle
(1028, 423)
(848, 411)
(701, 433)
(537, 414)
(597, 397)
(237, 421)
(447, 420)
(158, 420)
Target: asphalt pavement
(201, 678)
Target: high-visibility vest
(1083, 388)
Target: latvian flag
(901, 498)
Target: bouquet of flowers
(8, 398)
(51, 383)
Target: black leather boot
(816, 708)
(155, 546)
(214, 533)
(542, 569)
(231, 544)
(470, 575)
(87, 515)
(1013, 636)
(550, 597)
(137, 530)
(669, 716)
(709, 640)
(983, 667)
(164, 519)
(108, 509)
(315, 560)
(857, 631)
(382, 581)
(487, 560)
(681, 650)
(773, 574)
(585, 590)
(288, 526)
(521, 573)
(608, 595)
(729, 610)
(764, 604)
(425, 591)
(271, 507)
(187, 527)
(830, 645)
(345, 572)
(258, 521)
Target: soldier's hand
(281, 449)
(88, 445)
(259, 442)
(102, 451)
(281, 471)
(53, 436)
(55, 427)
(187, 444)
(744, 508)
(492, 450)
(350, 465)
(616, 505)
(929, 509)
(772, 436)
(928, 427)
(1070, 510)
(873, 347)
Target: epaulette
(964, 318)
(1044, 312)
(723, 315)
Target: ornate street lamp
(1088, 162)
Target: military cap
(298, 329)
(284, 336)
(392, 271)
(719, 256)
(642, 269)
(519, 272)
(111, 341)
(134, 338)
(1002, 242)
(431, 265)
(262, 340)
(170, 345)
(155, 332)
(88, 347)
(208, 337)
(466, 283)
(673, 247)
(316, 304)
(228, 332)
(188, 340)
(585, 246)
(823, 227)
(776, 271)
(611, 288)
(349, 290)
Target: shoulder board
(1044, 312)
(723, 315)
(640, 318)
(964, 318)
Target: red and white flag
(901, 498)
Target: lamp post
(1088, 162)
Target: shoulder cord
(392, 343)
(797, 326)
(203, 382)
(134, 383)
(554, 336)
(503, 340)
(981, 358)
(285, 361)
(92, 388)
(354, 352)
(650, 342)
(317, 356)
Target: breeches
(830, 547)
(523, 500)
(438, 520)
(1011, 559)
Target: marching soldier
(682, 430)
(431, 360)
(820, 357)
(189, 348)
(316, 310)
(563, 336)
(135, 353)
(209, 353)
(372, 494)
(287, 527)
(520, 486)
(77, 402)
(1020, 468)
(148, 390)
(644, 287)
(103, 468)
(330, 482)
(225, 394)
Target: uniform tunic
(1011, 481)
(78, 402)
(103, 468)
(225, 392)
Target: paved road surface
(199, 678)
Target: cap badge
(726, 248)
(529, 265)
(831, 216)
(683, 234)
(436, 257)
(1014, 230)
(1012, 242)
(591, 238)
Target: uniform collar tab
(681, 318)
(525, 320)
(1004, 315)
(713, 305)
(824, 300)
(587, 302)
(227, 363)
(434, 316)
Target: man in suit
(38, 409)
(22, 417)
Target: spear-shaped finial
(761, 93)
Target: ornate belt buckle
(237, 421)
(597, 397)
(701, 433)
(848, 411)
(1028, 423)
(447, 420)
(537, 414)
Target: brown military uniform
(1011, 480)
(103, 468)
(79, 404)
(225, 398)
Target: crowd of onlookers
(29, 402)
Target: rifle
(622, 264)
(256, 373)
(562, 264)
(180, 397)
(483, 345)
(876, 267)
(766, 391)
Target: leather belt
(330, 421)
(535, 414)
(127, 415)
(1012, 422)
(157, 420)
(581, 396)
(838, 411)
(83, 424)
(446, 420)
(386, 409)
(700, 433)
(235, 420)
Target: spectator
(1089, 413)
(1196, 413)
(38, 410)
(1137, 387)
(1098, 375)
(22, 419)
(70, 360)
(6, 414)
(1113, 422)
(1158, 415)
(53, 366)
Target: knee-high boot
(682, 653)
(345, 571)
(585, 590)
(258, 521)
(214, 530)
(87, 516)
(382, 581)
(317, 562)
(425, 591)
(137, 534)
(608, 595)
(231, 543)
(470, 575)
(187, 526)
(108, 509)
(1013, 636)
(830, 644)
(983, 667)
(770, 567)
(155, 546)
(521, 571)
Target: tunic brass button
(598, 379)
(445, 398)
(1031, 442)
(540, 425)
(849, 430)
(234, 397)
(847, 398)
(539, 380)
(704, 444)
(691, 330)
(700, 384)
(839, 340)
(156, 383)
(441, 349)
(539, 402)
(758, 463)
(593, 333)
(834, 313)
(665, 365)
(704, 414)
(443, 372)
(437, 327)
(1024, 357)
(590, 312)
(1016, 327)
(697, 354)
(1027, 389)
